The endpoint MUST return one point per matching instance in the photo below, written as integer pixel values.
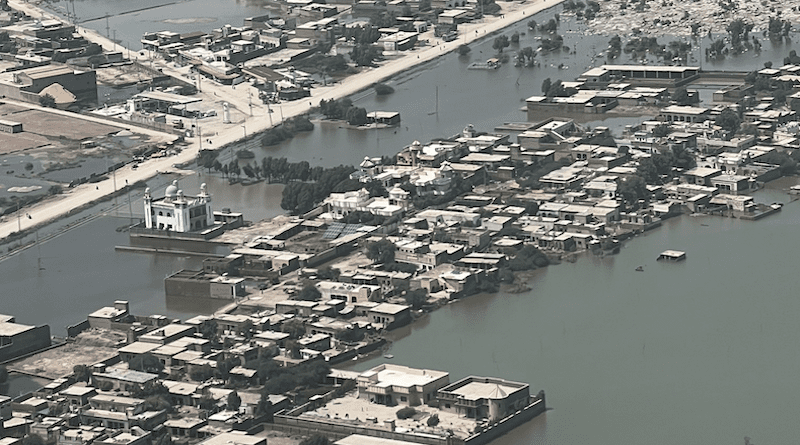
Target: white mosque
(177, 212)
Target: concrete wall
(496, 430)
(25, 342)
(336, 431)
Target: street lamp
(245, 130)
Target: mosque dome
(172, 190)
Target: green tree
(47, 100)
(233, 401)
(728, 120)
(433, 420)
(146, 363)
(681, 96)
(546, 84)
(309, 293)
(464, 49)
(381, 252)
(500, 42)
(416, 298)
(315, 439)
(33, 439)
(632, 189)
(356, 116)
(82, 373)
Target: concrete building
(390, 315)
(177, 212)
(26, 84)
(19, 339)
(484, 397)
(104, 317)
(197, 283)
(389, 384)
(348, 292)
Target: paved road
(240, 97)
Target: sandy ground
(89, 348)
(612, 19)
(352, 410)
(239, 97)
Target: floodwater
(702, 351)
(18, 384)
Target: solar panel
(333, 230)
(350, 229)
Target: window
(169, 215)
(160, 213)
(403, 399)
(447, 405)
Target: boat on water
(389, 356)
(640, 269)
(491, 64)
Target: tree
(381, 252)
(309, 293)
(433, 420)
(356, 116)
(157, 403)
(464, 49)
(47, 101)
(315, 439)
(233, 401)
(500, 42)
(206, 401)
(632, 189)
(33, 439)
(515, 38)
(208, 329)
(82, 373)
(146, 363)
(728, 120)
(546, 84)
(381, 89)
(681, 96)
(416, 298)
(406, 412)
(264, 406)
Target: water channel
(703, 351)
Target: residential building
(484, 397)
(389, 384)
(19, 339)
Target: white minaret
(148, 212)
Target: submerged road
(251, 117)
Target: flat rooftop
(403, 376)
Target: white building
(178, 212)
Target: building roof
(78, 391)
(10, 329)
(161, 96)
(389, 308)
(358, 439)
(402, 376)
(127, 375)
(138, 347)
(234, 438)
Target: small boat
(640, 269)
(389, 356)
